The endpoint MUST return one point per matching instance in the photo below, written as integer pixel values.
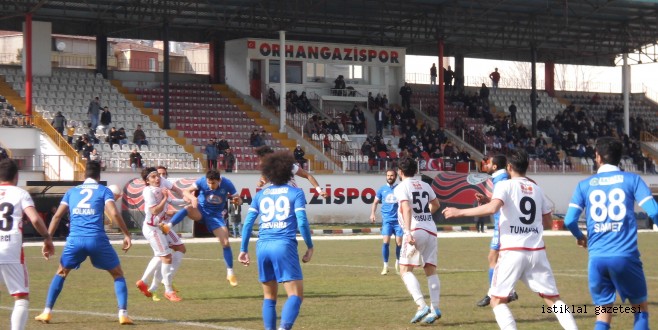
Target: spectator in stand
(211, 154)
(448, 76)
(596, 99)
(380, 120)
(3, 153)
(93, 112)
(139, 137)
(405, 93)
(254, 139)
(123, 138)
(433, 75)
(512, 113)
(299, 156)
(81, 142)
(229, 160)
(339, 86)
(59, 122)
(484, 94)
(5, 121)
(495, 78)
(91, 133)
(449, 150)
(222, 145)
(135, 160)
(272, 99)
(365, 147)
(86, 150)
(303, 104)
(384, 101)
(106, 119)
(326, 143)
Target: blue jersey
(389, 203)
(86, 204)
(608, 198)
(498, 176)
(214, 201)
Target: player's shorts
(531, 267)
(212, 221)
(15, 278)
(158, 241)
(495, 240)
(608, 275)
(392, 227)
(98, 249)
(422, 252)
(173, 239)
(278, 260)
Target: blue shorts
(98, 249)
(608, 275)
(392, 227)
(495, 241)
(278, 260)
(212, 221)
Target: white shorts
(424, 251)
(158, 241)
(173, 238)
(15, 278)
(531, 267)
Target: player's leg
(15, 278)
(266, 275)
(178, 248)
(103, 256)
(56, 285)
(427, 247)
(20, 312)
(270, 290)
(507, 271)
(627, 275)
(387, 231)
(290, 311)
(151, 270)
(409, 259)
(399, 234)
(188, 211)
(221, 232)
(121, 292)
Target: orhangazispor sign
(327, 52)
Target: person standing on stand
(512, 113)
(495, 78)
(235, 217)
(433, 75)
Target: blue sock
(55, 288)
(121, 291)
(385, 252)
(290, 312)
(600, 325)
(228, 257)
(641, 321)
(269, 314)
(491, 270)
(397, 251)
(178, 217)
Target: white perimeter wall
(41, 48)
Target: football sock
(600, 325)
(55, 288)
(166, 277)
(290, 312)
(397, 251)
(434, 285)
(157, 277)
(176, 259)
(504, 317)
(413, 287)
(121, 291)
(385, 252)
(178, 217)
(491, 271)
(641, 321)
(564, 316)
(150, 268)
(228, 257)
(269, 313)
(123, 312)
(19, 315)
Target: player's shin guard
(434, 285)
(228, 257)
(641, 321)
(564, 316)
(411, 282)
(397, 251)
(385, 252)
(178, 217)
(290, 312)
(121, 291)
(600, 325)
(166, 271)
(176, 259)
(19, 314)
(504, 317)
(269, 314)
(55, 288)
(150, 268)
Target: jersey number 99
(270, 209)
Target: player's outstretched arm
(482, 199)
(118, 219)
(48, 247)
(482, 210)
(57, 217)
(373, 210)
(434, 205)
(308, 176)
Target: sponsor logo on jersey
(526, 189)
(276, 191)
(606, 181)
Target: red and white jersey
(521, 226)
(292, 181)
(152, 196)
(419, 194)
(13, 201)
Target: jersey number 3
(6, 218)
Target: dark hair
(500, 161)
(408, 166)
(610, 150)
(278, 167)
(518, 159)
(93, 170)
(8, 170)
(145, 173)
(264, 151)
(213, 175)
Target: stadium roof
(575, 32)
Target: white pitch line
(138, 318)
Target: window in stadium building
(293, 72)
(315, 72)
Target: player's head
(608, 151)
(162, 171)
(8, 171)
(391, 176)
(263, 151)
(498, 162)
(278, 167)
(408, 167)
(213, 179)
(93, 170)
(116, 191)
(151, 176)
(518, 161)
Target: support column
(216, 61)
(101, 54)
(549, 80)
(458, 84)
(533, 93)
(165, 73)
(626, 88)
(442, 117)
(28, 66)
(282, 79)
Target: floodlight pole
(282, 80)
(165, 74)
(533, 93)
(626, 88)
(442, 117)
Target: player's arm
(434, 205)
(308, 176)
(57, 217)
(252, 214)
(188, 195)
(547, 220)
(112, 210)
(262, 181)
(373, 210)
(576, 206)
(303, 226)
(157, 208)
(405, 212)
(646, 200)
(48, 247)
(480, 211)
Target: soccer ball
(116, 191)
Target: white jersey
(13, 201)
(419, 194)
(152, 196)
(524, 203)
(292, 181)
